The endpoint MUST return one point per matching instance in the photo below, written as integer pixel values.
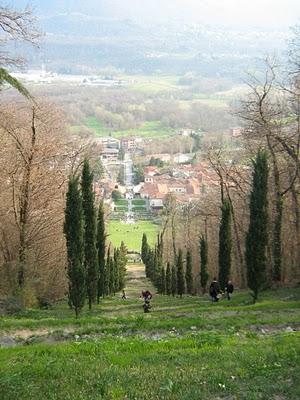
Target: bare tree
(271, 120)
(16, 26)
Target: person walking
(229, 290)
(214, 290)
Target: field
(132, 234)
(149, 129)
(185, 348)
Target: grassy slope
(131, 355)
(132, 234)
(149, 129)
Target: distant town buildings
(236, 132)
(109, 155)
(129, 144)
(185, 182)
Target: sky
(236, 13)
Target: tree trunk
(24, 208)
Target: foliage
(73, 229)
(89, 214)
(100, 244)
(144, 248)
(203, 262)
(189, 273)
(138, 174)
(156, 162)
(225, 244)
(168, 280)
(180, 274)
(257, 236)
(120, 177)
(5, 77)
(174, 281)
(116, 195)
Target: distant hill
(86, 36)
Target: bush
(116, 195)
(10, 306)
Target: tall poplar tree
(100, 244)
(257, 236)
(90, 252)
(73, 229)
(203, 261)
(189, 273)
(225, 244)
(180, 274)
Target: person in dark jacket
(229, 289)
(147, 296)
(214, 290)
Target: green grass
(185, 348)
(149, 129)
(132, 234)
(139, 202)
(96, 126)
(202, 366)
(139, 209)
(122, 208)
(154, 84)
(121, 203)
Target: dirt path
(137, 281)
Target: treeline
(175, 279)
(92, 272)
(179, 279)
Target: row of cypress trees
(91, 273)
(176, 279)
(179, 280)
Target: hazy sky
(268, 13)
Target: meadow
(185, 348)
(132, 234)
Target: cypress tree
(174, 281)
(122, 254)
(107, 274)
(257, 236)
(117, 270)
(203, 260)
(180, 274)
(163, 281)
(90, 252)
(189, 273)
(225, 244)
(168, 280)
(100, 244)
(112, 289)
(144, 248)
(73, 230)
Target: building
(129, 144)
(109, 142)
(109, 155)
(236, 132)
